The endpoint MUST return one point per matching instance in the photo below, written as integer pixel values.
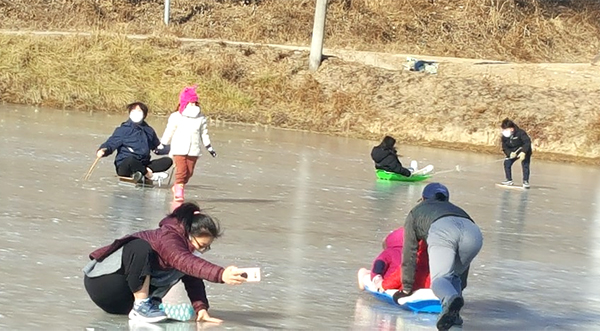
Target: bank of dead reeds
(516, 30)
(103, 73)
(459, 108)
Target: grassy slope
(517, 30)
(460, 108)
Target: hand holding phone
(251, 274)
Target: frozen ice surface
(307, 209)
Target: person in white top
(185, 131)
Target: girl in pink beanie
(185, 131)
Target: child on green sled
(385, 157)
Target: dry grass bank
(515, 30)
(458, 108)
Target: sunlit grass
(516, 30)
(268, 86)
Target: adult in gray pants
(453, 241)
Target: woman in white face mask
(133, 141)
(132, 274)
(136, 115)
(186, 132)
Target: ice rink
(304, 207)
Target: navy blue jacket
(132, 139)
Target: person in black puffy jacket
(516, 145)
(385, 157)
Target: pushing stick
(517, 152)
(459, 169)
(89, 173)
(171, 176)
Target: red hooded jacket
(391, 255)
(173, 251)
(422, 277)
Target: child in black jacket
(385, 157)
(516, 145)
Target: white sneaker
(414, 165)
(159, 176)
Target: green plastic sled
(386, 175)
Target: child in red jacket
(422, 278)
(386, 273)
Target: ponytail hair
(195, 222)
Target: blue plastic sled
(426, 304)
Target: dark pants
(114, 292)
(131, 165)
(525, 163)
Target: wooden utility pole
(167, 11)
(318, 34)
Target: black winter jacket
(385, 158)
(519, 139)
(416, 228)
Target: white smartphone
(251, 274)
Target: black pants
(114, 292)
(131, 165)
(525, 163)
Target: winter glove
(400, 294)
(162, 149)
(379, 267)
(521, 156)
(211, 151)
(512, 155)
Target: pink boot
(178, 192)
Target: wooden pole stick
(171, 176)
(89, 173)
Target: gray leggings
(453, 242)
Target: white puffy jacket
(184, 133)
